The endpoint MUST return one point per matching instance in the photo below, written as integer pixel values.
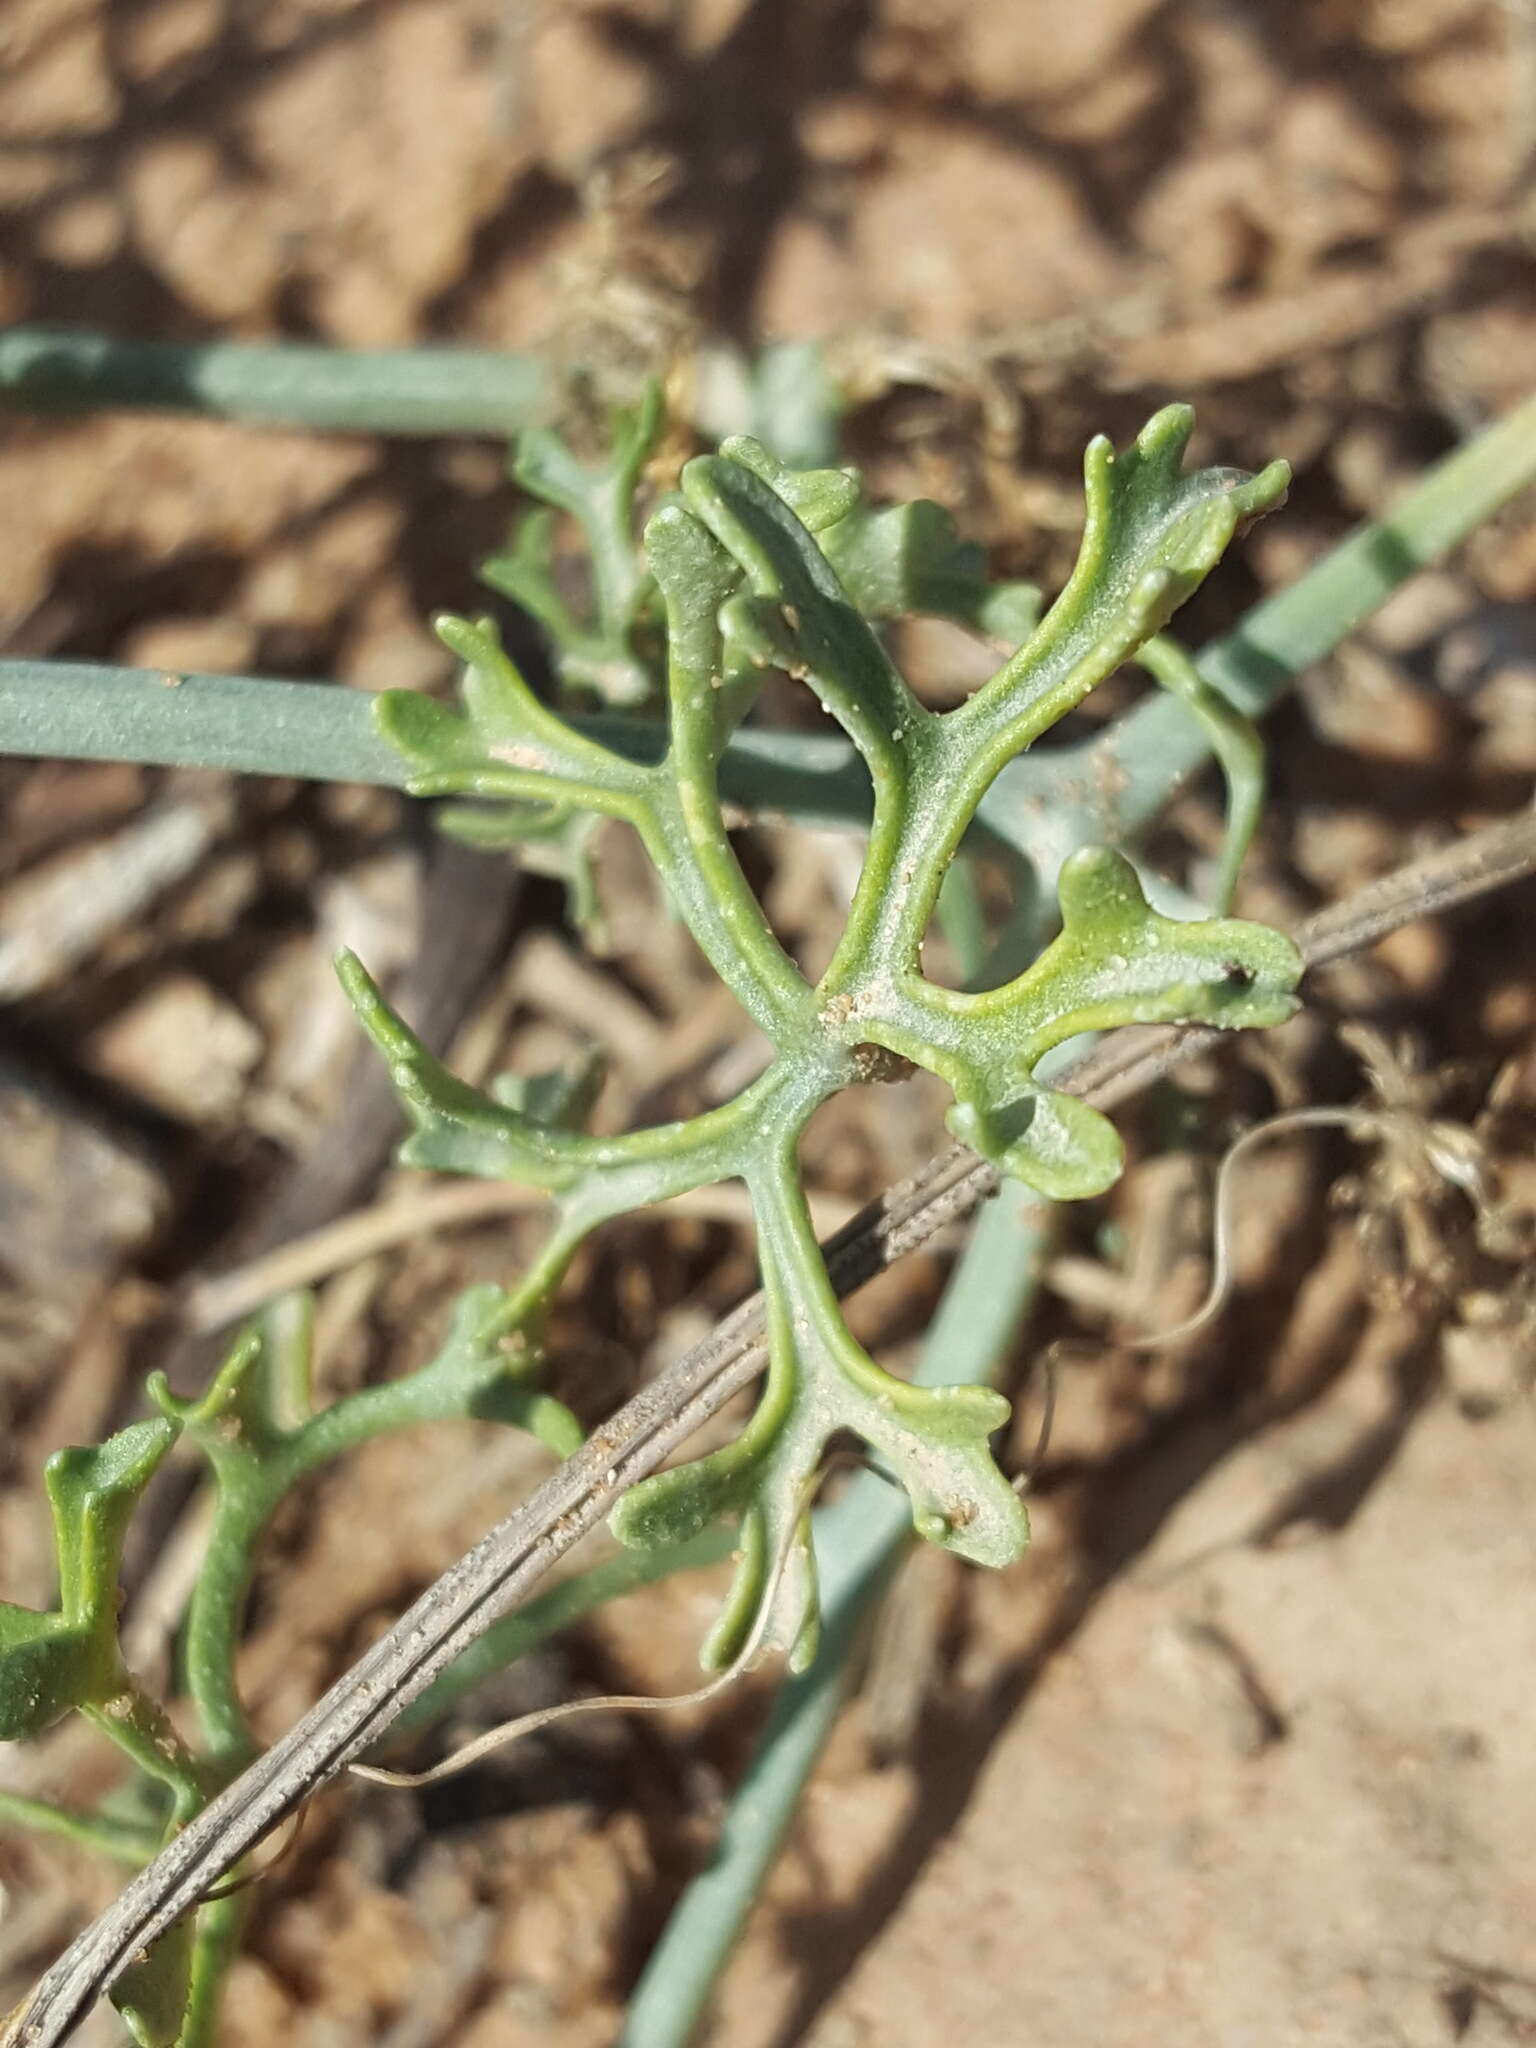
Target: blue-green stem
(215, 1944)
(409, 391)
(255, 725)
(143, 1731)
(121, 1840)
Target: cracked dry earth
(1243, 1753)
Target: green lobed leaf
(457, 1128)
(260, 1395)
(935, 1442)
(708, 684)
(1151, 536)
(503, 741)
(837, 648)
(761, 567)
(822, 1383)
(602, 652)
(674, 1506)
(51, 1662)
(1233, 739)
(1116, 961)
(547, 468)
(819, 498)
(93, 1491)
(773, 1590)
(47, 1666)
(487, 1365)
(555, 840)
(561, 1098)
(759, 1481)
(1050, 1141)
(910, 560)
(525, 572)
(151, 1994)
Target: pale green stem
(215, 1944)
(120, 1840)
(409, 391)
(695, 857)
(1233, 739)
(142, 1730)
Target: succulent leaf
(47, 1666)
(838, 650)
(50, 1662)
(1050, 1141)
(503, 742)
(458, 1129)
(604, 653)
(1151, 536)
(909, 560)
(763, 567)
(1117, 961)
(260, 1395)
(819, 498)
(151, 1994)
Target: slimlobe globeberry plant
(760, 569)
(753, 568)
(750, 570)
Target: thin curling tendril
(508, 1732)
(1442, 1146)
